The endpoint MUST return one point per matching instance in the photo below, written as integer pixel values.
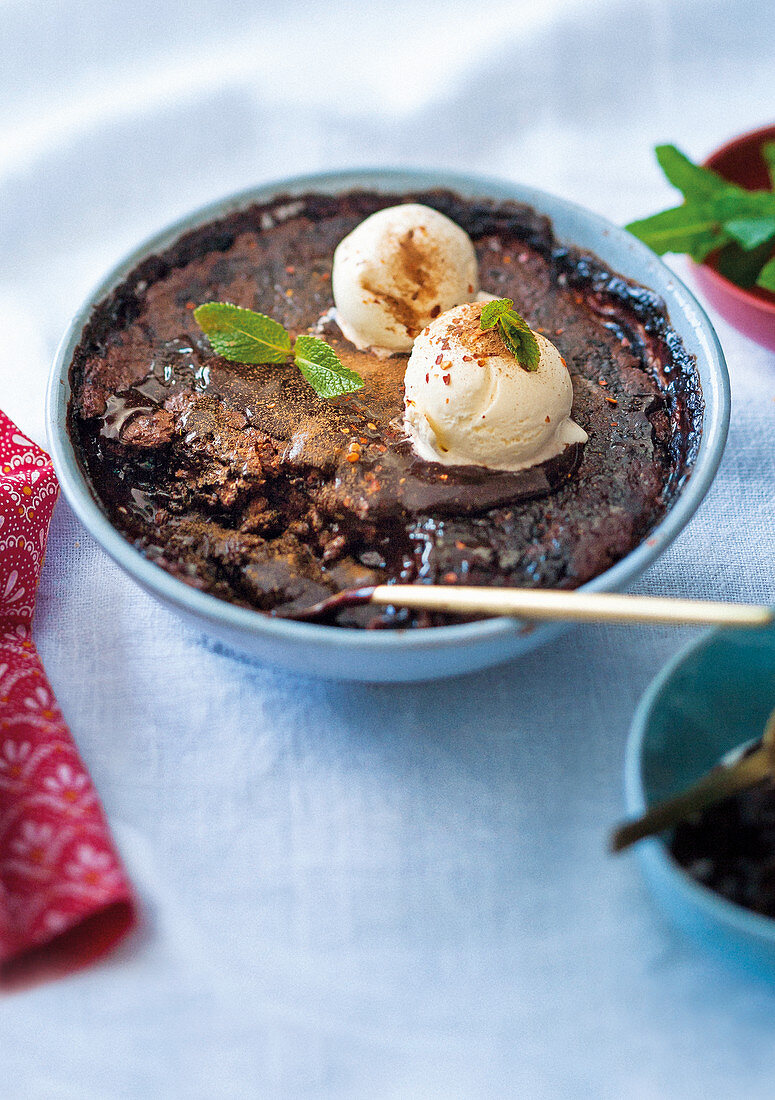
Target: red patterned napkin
(64, 896)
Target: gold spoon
(719, 783)
(544, 604)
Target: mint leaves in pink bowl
(727, 225)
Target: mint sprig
(245, 336)
(716, 215)
(320, 365)
(513, 330)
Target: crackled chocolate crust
(240, 481)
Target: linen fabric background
(349, 890)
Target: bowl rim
(653, 851)
(747, 138)
(250, 622)
(723, 285)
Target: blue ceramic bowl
(392, 655)
(713, 697)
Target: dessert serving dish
(238, 494)
(712, 700)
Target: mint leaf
(743, 204)
(514, 331)
(751, 232)
(322, 368)
(701, 185)
(716, 216)
(520, 340)
(700, 226)
(493, 312)
(766, 278)
(694, 228)
(242, 335)
(692, 180)
(768, 156)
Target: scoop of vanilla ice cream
(469, 402)
(396, 271)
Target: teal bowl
(714, 696)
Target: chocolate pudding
(242, 482)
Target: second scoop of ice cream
(396, 271)
(469, 402)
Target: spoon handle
(718, 784)
(570, 606)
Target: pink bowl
(750, 311)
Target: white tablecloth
(355, 890)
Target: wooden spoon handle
(717, 785)
(528, 603)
